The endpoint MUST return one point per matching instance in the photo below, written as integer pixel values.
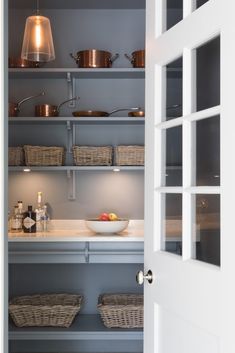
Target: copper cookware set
(91, 58)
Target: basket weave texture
(45, 310)
(15, 156)
(129, 155)
(44, 155)
(92, 155)
(121, 310)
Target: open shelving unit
(85, 327)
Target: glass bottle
(29, 221)
(45, 219)
(39, 212)
(16, 221)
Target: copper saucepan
(137, 58)
(22, 63)
(14, 108)
(99, 113)
(94, 58)
(48, 110)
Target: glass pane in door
(208, 152)
(172, 223)
(173, 158)
(201, 2)
(174, 12)
(208, 75)
(206, 229)
(174, 89)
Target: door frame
(4, 176)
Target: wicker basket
(129, 155)
(15, 156)
(121, 310)
(45, 310)
(92, 155)
(44, 156)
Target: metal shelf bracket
(71, 129)
(71, 90)
(71, 176)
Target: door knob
(140, 277)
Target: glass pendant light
(38, 42)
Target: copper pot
(14, 108)
(94, 58)
(48, 110)
(98, 113)
(22, 63)
(137, 58)
(137, 114)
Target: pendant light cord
(37, 11)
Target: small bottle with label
(20, 210)
(29, 221)
(16, 221)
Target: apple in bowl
(107, 223)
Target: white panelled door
(190, 147)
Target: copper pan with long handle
(49, 110)
(100, 113)
(14, 108)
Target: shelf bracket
(71, 90)
(87, 252)
(71, 176)
(71, 129)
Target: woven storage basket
(121, 310)
(129, 155)
(15, 156)
(92, 155)
(44, 156)
(45, 310)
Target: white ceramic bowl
(107, 226)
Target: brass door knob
(140, 277)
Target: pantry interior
(73, 194)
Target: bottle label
(28, 222)
(16, 224)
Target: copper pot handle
(123, 109)
(129, 58)
(114, 58)
(67, 100)
(30, 97)
(76, 58)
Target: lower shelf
(85, 327)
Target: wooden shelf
(85, 327)
(81, 120)
(75, 168)
(61, 73)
